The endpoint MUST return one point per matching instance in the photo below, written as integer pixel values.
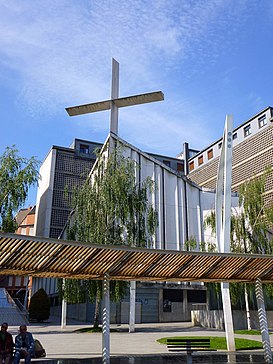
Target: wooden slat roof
(46, 257)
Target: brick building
(252, 154)
(25, 220)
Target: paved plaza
(66, 343)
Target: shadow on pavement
(163, 359)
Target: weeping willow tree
(112, 207)
(17, 175)
(251, 229)
(252, 225)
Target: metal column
(106, 320)
(64, 314)
(263, 321)
(132, 317)
(64, 311)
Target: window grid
(70, 171)
(59, 217)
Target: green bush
(39, 308)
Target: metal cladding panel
(193, 200)
(171, 210)
(149, 304)
(45, 257)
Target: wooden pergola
(46, 257)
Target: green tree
(39, 307)
(17, 174)
(112, 207)
(250, 228)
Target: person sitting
(6, 345)
(24, 345)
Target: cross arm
(139, 99)
(88, 108)
(120, 102)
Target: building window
(84, 149)
(191, 166)
(167, 306)
(262, 121)
(247, 130)
(173, 295)
(170, 296)
(167, 163)
(210, 153)
(234, 136)
(200, 160)
(196, 296)
(192, 152)
(180, 167)
(220, 145)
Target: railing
(19, 305)
(7, 302)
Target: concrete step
(13, 317)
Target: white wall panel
(45, 195)
(159, 206)
(170, 187)
(193, 212)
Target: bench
(188, 345)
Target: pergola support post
(64, 311)
(106, 320)
(263, 321)
(132, 318)
(64, 314)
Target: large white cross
(115, 102)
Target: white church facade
(181, 206)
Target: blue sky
(209, 58)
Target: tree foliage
(250, 226)
(17, 174)
(113, 208)
(77, 291)
(203, 246)
(39, 307)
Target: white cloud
(62, 49)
